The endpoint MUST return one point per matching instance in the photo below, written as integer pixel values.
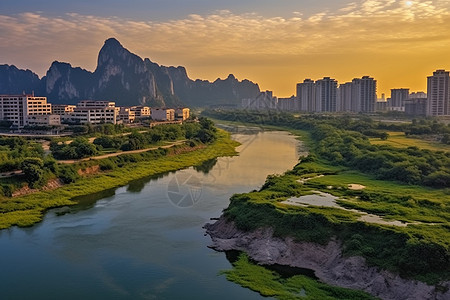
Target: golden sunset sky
(273, 43)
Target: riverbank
(326, 260)
(416, 251)
(325, 200)
(30, 209)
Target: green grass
(394, 248)
(389, 199)
(270, 284)
(400, 140)
(420, 250)
(28, 210)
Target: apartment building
(182, 113)
(326, 92)
(364, 94)
(163, 114)
(44, 120)
(62, 109)
(438, 100)
(125, 115)
(18, 108)
(306, 95)
(94, 112)
(397, 100)
(265, 100)
(141, 111)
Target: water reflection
(206, 166)
(133, 243)
(282, 270)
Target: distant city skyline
(276, 44)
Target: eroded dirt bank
(326, 260)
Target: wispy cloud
(367, 27)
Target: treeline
(13, 150)
(18, 153)
(203, 132)
(345, 141)
(411, 165)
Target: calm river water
(145, 240)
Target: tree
(33, 171)
(83, 148)
(446, 139)
(384, 135)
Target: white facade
(364, 94)
(438, 103)
(62, 109)
(265, 100)
(398, 98)
(17, 108)
(44, 120)
(93, 112)
(182, 113)
(326, 92)
(125, 114)
(163, 114)
(306, 95)
(344, 98)
(141, 111)
(288, 104)
(84, 115)
(95, 103)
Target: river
(145, 240)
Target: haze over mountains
(127, 79)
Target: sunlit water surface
(145, 240)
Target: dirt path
(72, 161)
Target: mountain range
(127, 79)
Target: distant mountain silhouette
(16, 81)
(127, 79)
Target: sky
(275, 43)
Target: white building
(265, 100)
(364, 94)
(326, 92)
(94, 112)
(125, 115)
(306, 95)
(44, 120)
(62, 109)
(344, 97)
(182, 113)
(288, 104)
(17, 108)
(163, 114)
(141, 111)
(438, 102)
(96, 104)
(397, 100)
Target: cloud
(359, 28)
